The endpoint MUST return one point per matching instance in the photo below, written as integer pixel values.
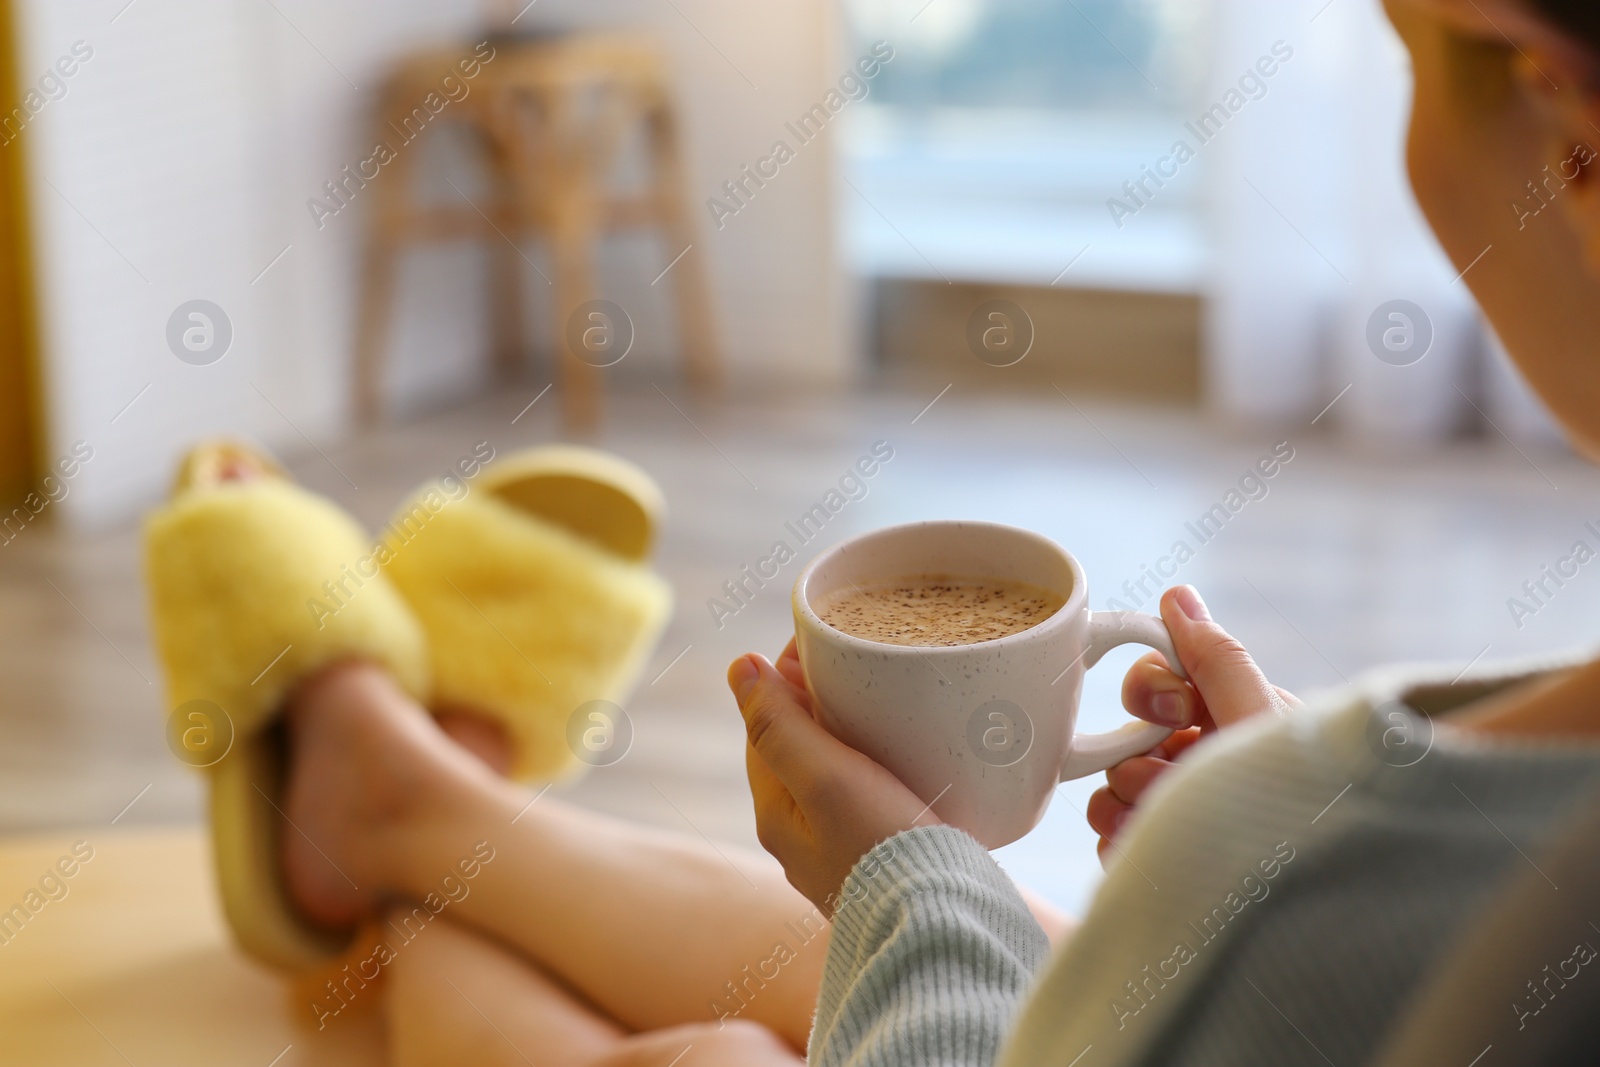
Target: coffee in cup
(938, 609)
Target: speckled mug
(983, 732)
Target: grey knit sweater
(1275, 902)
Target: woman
(1276, 901)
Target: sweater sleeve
(932, 953)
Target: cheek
(1428, 154)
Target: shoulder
(1279, 773)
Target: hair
(1581, 18)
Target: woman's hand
(1226, 687)
(820, 804)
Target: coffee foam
(937, 610)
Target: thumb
(1228, 680)
(791, 744)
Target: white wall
(179, 163)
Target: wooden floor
(1348, 560)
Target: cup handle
(1092, 753)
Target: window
(989, 145)
(1054, 55)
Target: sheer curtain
(1328, 287)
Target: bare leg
(653, 929)
(457, 997)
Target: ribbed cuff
(933, 939)
(940, 859)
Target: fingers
(1178, 743)
(1113, 804)
(797, 751)
(1225, 687)
(1153, 693)
(1127, 783)
(1227, 679)
(1106, 813)
(1129, 779)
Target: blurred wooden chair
(553, 115)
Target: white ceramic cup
(983, 732)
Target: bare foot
(365, 762)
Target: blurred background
(1081, 263)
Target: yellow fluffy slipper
(234, 561)
(532, 584)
